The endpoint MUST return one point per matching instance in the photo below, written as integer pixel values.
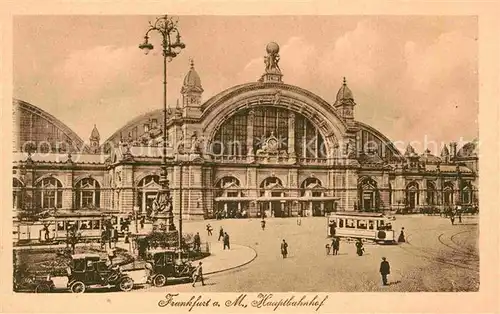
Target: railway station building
(264, 146)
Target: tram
(55, 228)
(360, 225)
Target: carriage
(166, 264)
(373, 227)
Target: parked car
(164, 264)
(89, 271)
(33, 283)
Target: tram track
(433, 257)
(456, 248)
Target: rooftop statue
(272, 58)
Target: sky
(414, 78)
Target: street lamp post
(163, 218)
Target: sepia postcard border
(483, 301)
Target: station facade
(263, 146)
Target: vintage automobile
(164, 263)
(33, 283)
(89, 271)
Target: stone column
(293, 175)
(384, 193)
(249, 143)
(67, 193)
(193, 209)
(291, 137)
(208, 193)
(251, 176)
(126, 195)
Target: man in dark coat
(385, 269)
(221, 234)
(336, 246)
(197, 241)
(284, 249)
(226, 241)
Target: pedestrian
(336, 246)
(221, 234)
(143, 220)
(115, 237)
(460, 217)
(226, 241)
(327, 246)
(333, 245)
(103, 239)
(402, 236)
(452, 218)
(149, 271)
(197, 242)
(284, 249)
(111, 256)
(209, 229)
(359, 247)
(263, 224)
(198, 274)
(385, 269)
(46, 230)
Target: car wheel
(42, 288)
(78, 287)
(159, 280)
(126, 284)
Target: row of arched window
(369, 194)
(49, 193)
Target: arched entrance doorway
(448, 194)
(368, 194)
(146, 193)
(313, 193)
(272, 202)
(431, 193)
(229, 199)
(412, 195)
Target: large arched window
(88, 194)
(265, 122)
(17, 193)
(49, 193)
(430, 193)
(146, 192)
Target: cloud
(102, 69)
(407, 89)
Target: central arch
(218, 109)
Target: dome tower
(344, 103)
(94, 140)
(191, 88)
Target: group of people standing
(222, 235)
(334, 247)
